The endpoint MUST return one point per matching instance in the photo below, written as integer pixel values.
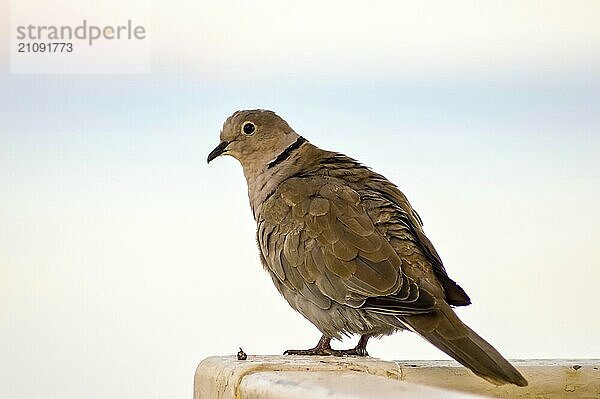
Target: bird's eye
(248, 128)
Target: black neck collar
(285, 154)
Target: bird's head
(254, 137)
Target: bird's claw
(327, 352)
(355, 352)
(314, 352)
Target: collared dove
(346, 249)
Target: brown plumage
(346, 249)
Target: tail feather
(447, 332)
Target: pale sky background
(125, 259)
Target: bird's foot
(327, 352)
(360, 349)
(354, 352)
(314, 352)
(323, 348)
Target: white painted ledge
(300, 377)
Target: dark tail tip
(517, 378)
(501, 375)
(445, 330)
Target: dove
(346, 249)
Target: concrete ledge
(279, 377)
(548, 379)
(335, 384)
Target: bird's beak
(219, 150)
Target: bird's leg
(323, 348)
(360, 349)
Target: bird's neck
(263, 181)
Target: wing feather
(325, 245)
